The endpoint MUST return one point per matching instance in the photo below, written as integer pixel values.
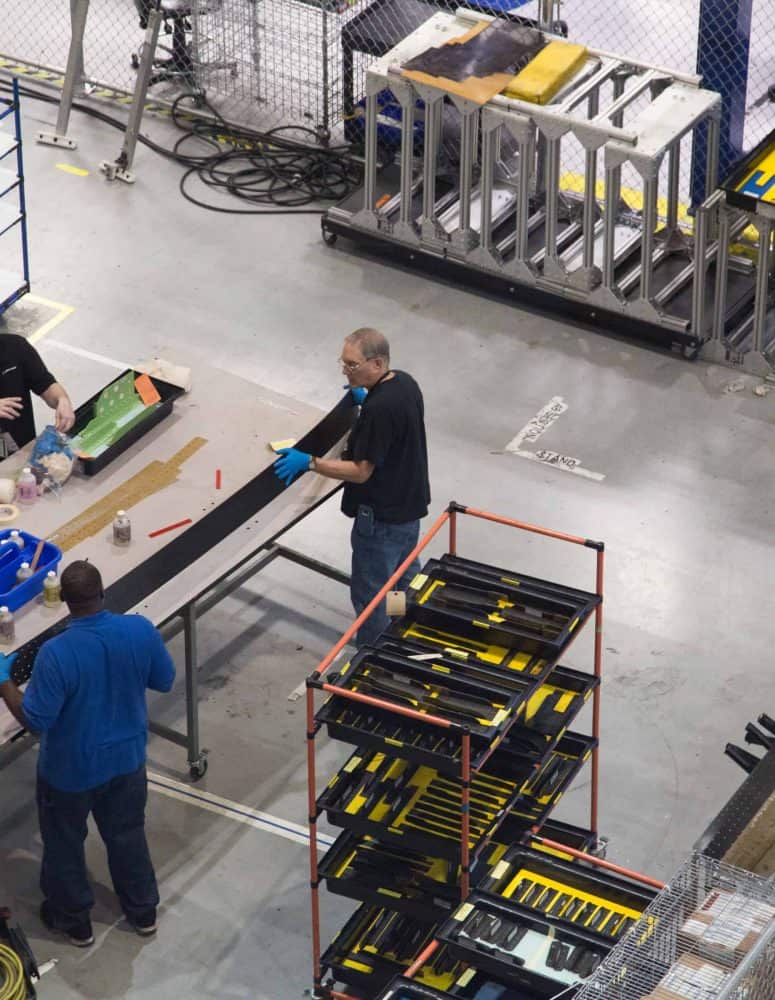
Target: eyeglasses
(351, 366)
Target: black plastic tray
(732, 183)
(494, 792)
(378, 875)
(572, 888)
(480, 948)
(362, 725)
(532, 809)
(408, 989)
(463, 596)
(349, 958)
(156, 413)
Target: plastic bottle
(122, 529)
(27, 486)
(23, 572)
(52, 591)
(7, 626)
(16, 538)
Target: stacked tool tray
(460, 717)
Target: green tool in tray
(118, 409)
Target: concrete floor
(684, 510)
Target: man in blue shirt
(86, 698)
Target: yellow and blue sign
(754, 179)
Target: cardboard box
(725, 927)
(690, 978)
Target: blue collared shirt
(86, 698)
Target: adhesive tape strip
(8, 512)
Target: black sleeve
(373, 436)
(37, 377)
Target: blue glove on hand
(292, 464)
(358, 393)
(6, 662)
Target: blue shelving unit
(13, 213)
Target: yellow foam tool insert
(543, 76)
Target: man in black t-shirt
(21, 371)
(384, 468)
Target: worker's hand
(10, 407)
(291, 464)
(6, 662)
(64, 416)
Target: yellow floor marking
(62, 313)
(69, 169)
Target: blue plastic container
(12, 595)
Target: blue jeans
(118, 808)
(378, 550)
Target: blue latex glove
(292, 464)
(358, 393)
(6, 662)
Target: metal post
(590, 190)
(121, 168)
(192, 688)
(489, 142)
(466, 169)
(430, 154)
(552, 196)
(713, 154)
(613, 191)
(762, 283)
(370, 167)
(722, 265)
(700, 271)
(17, 118)
(650, 187)
(596, 693)
(465, 796)
(545, 14)
(79, 10)
(407, 161)
(324, 130)
(523, 198)
(673, 180)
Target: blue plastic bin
(12, 595)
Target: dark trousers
(118, 808)
(378, 550)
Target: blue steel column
(722, 61)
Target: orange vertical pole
(452, 532)
(465, 796)
(596, 694)
(313, 837)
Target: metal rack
(315, 682)
(13, 284)
(501, 217)
(636, 965)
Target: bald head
(82, 588)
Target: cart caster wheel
(599, 848)
(198, 770)
(329, 238)
(691, 353)
(135, 61)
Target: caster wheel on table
(329, 238)
(198, 769)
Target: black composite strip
(200, 537)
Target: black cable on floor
(269, 169)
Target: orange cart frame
(314, 682)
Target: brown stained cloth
(478, 64)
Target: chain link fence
(269, 62)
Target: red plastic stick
(217, 479)
(169, 527)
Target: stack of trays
(478, 647)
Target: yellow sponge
(543, 76)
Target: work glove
(358, 393)
(291, 464)
(6, 662)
